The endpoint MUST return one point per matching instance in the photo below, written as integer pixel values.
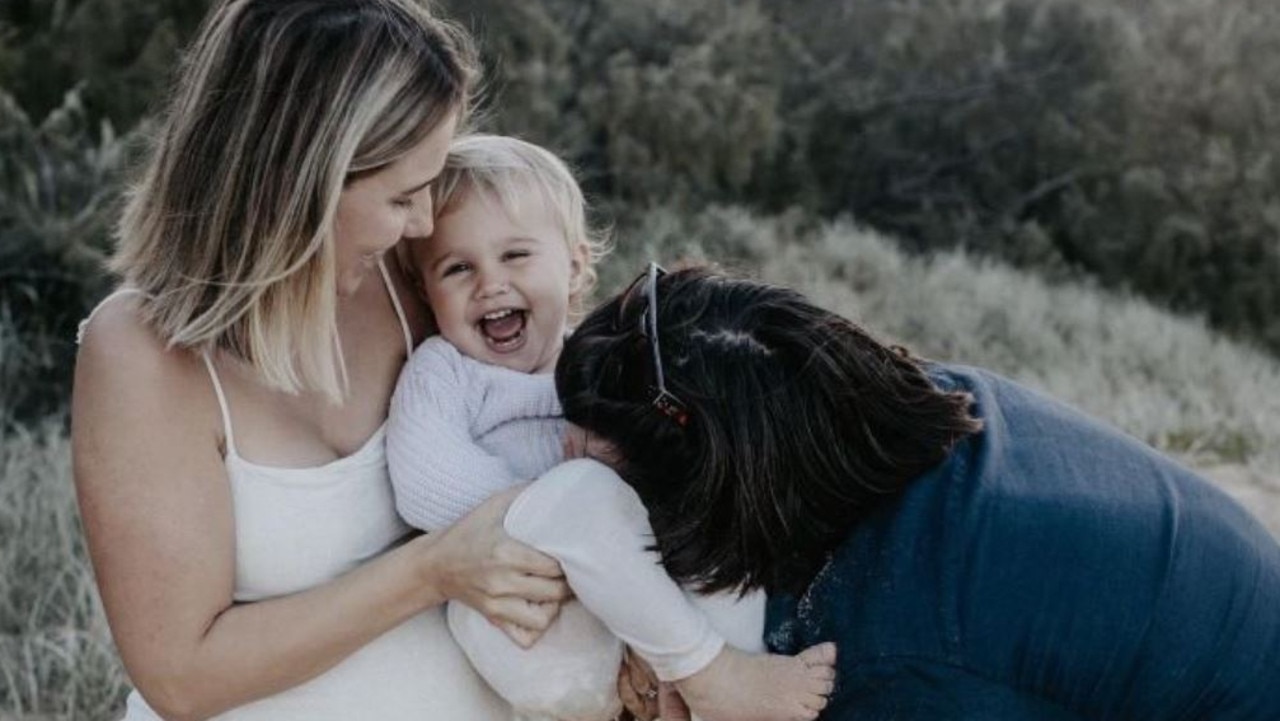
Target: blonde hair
(279, 104)
(504, 168)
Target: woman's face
(376, 211)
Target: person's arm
(438, 470)
(157, 515)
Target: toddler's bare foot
(740, 686)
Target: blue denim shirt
(1050, 568)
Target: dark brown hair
(799, 423)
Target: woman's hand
(646, 697)
(517, 588)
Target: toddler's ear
(579, 279)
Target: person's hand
(574, 444)
(580, 443)
(517, 588)
(646, 697)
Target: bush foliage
(1131, 142)
(58, 183)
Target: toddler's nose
(493, 284)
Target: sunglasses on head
(646, 284)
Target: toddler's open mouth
(503, 330)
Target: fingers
(643, 684)
(532, 623)
(535, 617)
(525, 560)
(671, 707)
(523, 637)
(534, 589)
(632, 689)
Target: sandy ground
(1257, 494)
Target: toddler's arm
(438, 471)
(588, 519)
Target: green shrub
(58, 185)
(1132, 142)
(121, 52)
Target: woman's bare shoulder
(116, 340)
(124, 367)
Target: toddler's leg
(584, 515)
(738, 618)
(570, 674)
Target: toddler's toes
(821, 687)
(823, 654)
(816, 704)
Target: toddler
(476, 412)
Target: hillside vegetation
(1167, 380)
(1130, 143)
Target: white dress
(296, 528)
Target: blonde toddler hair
(503, 168)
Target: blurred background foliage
(1126, 142)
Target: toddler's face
(500, 282)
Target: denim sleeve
(924, 690)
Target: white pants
(584, 515)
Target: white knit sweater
(460, 431)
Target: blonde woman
(230, 397)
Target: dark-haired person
(975, 549)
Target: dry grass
(1165, 379)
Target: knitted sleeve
(438, 471)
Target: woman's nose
(421, 219)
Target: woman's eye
(403, 202)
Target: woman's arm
(157, 514)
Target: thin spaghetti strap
(84, 324)
(222, 403)
(395, 302)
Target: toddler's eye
(515, 254)
(454, 269)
